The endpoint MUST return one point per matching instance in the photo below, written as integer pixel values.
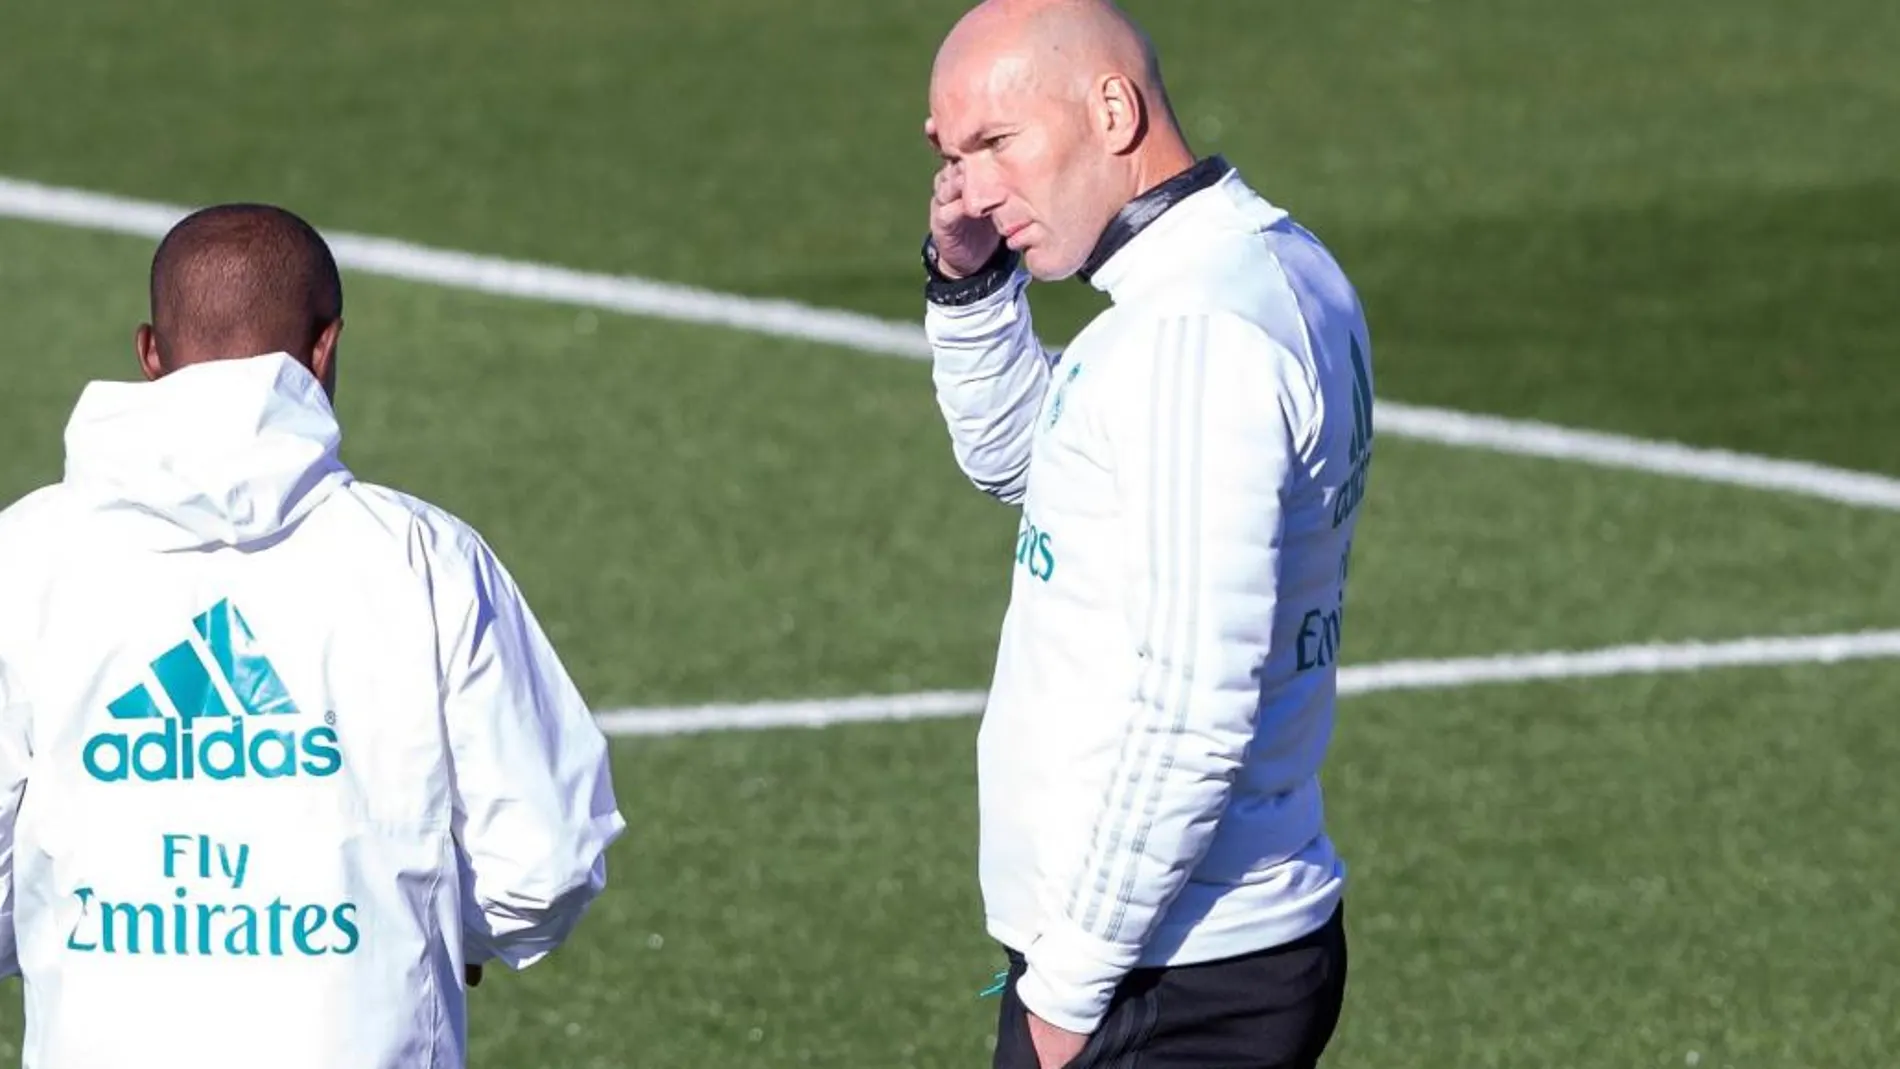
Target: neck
(1167, 190)
(1159, 161)
(231, 348)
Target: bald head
(1062, 46)
(1054, 114)
(240, 280)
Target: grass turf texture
(707, 515)
(1593, 875)
(1669, 219)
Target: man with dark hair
(238, 279)
(284, 756)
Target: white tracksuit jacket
(280, 751)
(1189, 472)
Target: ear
(1121, 116)
(145, 343)
(323, 357)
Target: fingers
(946, 200)
(948, 186)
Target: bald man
(284, 755)
(1154, 857)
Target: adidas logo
(203, 679)
(1361, 404)
(1359, 449)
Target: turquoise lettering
(277, 909)
(309, 921)
(247, 928)
(181, 924)
(1045, 558)
(172, 850)
(153, 928)
(166, 740)
(205, 913)
(168, 751)
(345, 918)
(1035, 550)
(236, 874)
(84, 894)
(286, 754)
(130, 914)
(322, 757)
(232, 739)
(173, 753)
(113, 744)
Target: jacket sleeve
(990, 372)
(534, 800)
(15, 758)
(1202, 435)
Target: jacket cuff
(940, 289)
(1072, 975)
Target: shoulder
(435, 538)
(33, 525)
(37, 537)
(410, 510)
(1225, 366)
(33, 512)
(1169, 332)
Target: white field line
(784, 319)
(636, 296)
(1356, 679)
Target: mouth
(1010, 234)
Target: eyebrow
(975, 140)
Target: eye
(997, 141)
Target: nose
(982, 193)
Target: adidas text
(175, 752)
(222, 690)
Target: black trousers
(1273, 1009)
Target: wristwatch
(941, 289)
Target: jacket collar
(222, 453)
(1137, 214)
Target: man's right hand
(964, 242)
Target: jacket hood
(223, 453)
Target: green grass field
(1677, 221)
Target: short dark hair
(240, 280)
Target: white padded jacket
(280, 751)
(1189, 472)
